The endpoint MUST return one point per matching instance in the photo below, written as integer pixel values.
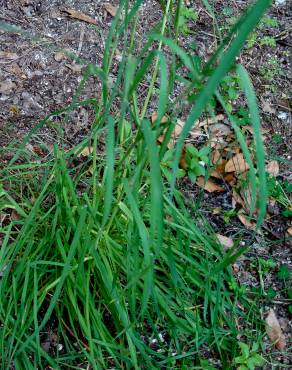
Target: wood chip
(80, 16)
(274, 330)
(112, 10)
(237, 164)
(273, 168)
(210, 186)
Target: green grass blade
(259, 146)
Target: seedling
(196, 161)
(249, 359)
(279, 191)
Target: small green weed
(195, 162)
(185, 16)
(249, 358)
(280, 191)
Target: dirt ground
(36, 78)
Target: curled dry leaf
(237, 164)
(208, 185)
(80, 16)
(244, 219)
(225, 241)
(274, 330)
(112, 10)
(273, 168)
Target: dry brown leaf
(216, 174)
(250, 225)
(209, 185)
(8, 56)
(219, 129)
(237, 164)
(210, 121)
(216, 156)
(267, 108)
(80, 16)
(85, 152)
(7, 86)
(178, 128)
(112, 10)
(251, 130)
(236, 199)
(59, 56)
(230, 179)
(274, 330)
(164, 119)
(15, 216)
(195, 132)
(16, 70)
(273, 168)
(225, 241)
(289, 231)
(76, 68)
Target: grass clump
(104, 266)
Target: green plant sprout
(249, 358)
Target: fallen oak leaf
(237, 164)
(209, 185)
(80, 16)
(274, 330)
(273, 168)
